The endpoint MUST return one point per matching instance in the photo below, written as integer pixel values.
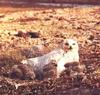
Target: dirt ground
(81, 23)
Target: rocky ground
(53, 25)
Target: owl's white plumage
(39, 62)
(71, 55)
(68, 53)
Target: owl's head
(70, 44)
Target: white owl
(68, 53)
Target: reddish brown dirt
(53, 24)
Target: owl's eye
(66, 44)
(73, 43)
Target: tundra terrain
(22, 28)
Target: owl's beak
(70, 47)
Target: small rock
(27, 34)
(22, 71)
(33, 34)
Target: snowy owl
(71, 55)
(68, 53)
